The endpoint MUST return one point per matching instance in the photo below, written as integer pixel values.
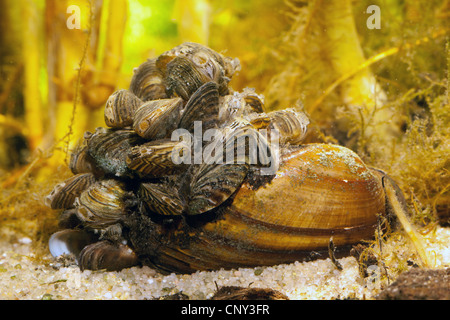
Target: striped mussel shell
(109, 149)
(230, 106)
(161, 198)
(254, 102)
(147, 82)
(259, 120)
(310, 199)
(102, 204)
(120, 108)
(213, 184)
(202, 106)
(185, 76)
(246, 143)
(195, 51)
(107, 255)
(290, 124)
(156, 159)
(64, 194)
(225, 166)
(246, 104)
(82, 162)
(158, 118)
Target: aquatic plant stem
(31, 57)
(407, 226)
(369, 62)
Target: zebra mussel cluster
(130, 165)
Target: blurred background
(375, 81)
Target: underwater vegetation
(382, 92)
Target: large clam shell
(319, 192)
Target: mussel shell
(291, 125)
(191, 49)
(213, 184)
(202, 106)
(320, 191)
(161, 198)
(147, 82)
(105, 255)
(222, 173)
(245, 143)
(157, 119)
(103, 204)
(120, 108)
(259, 120)
(82, 162)
(254, 101)
(109, 148)
(69, 241)
(154, 159)
(230, 107)
(64, 194)
(210, 66)
(183, 78)
(245, 104)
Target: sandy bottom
(25, 276)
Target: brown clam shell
(320, 191)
